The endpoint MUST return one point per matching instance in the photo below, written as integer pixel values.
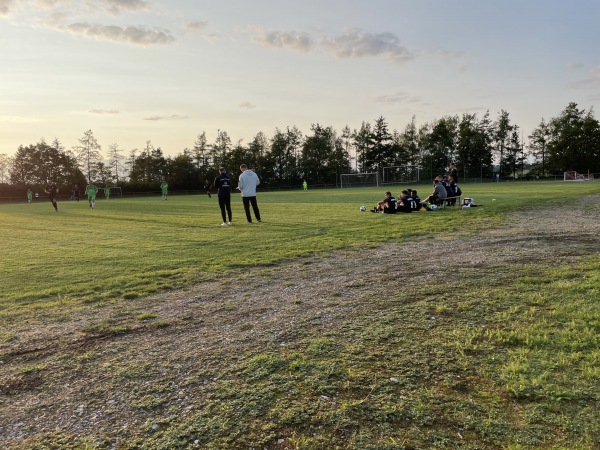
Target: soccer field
(132, 247)
(144, 324)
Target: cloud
(126, 35)
(6, 7)
(591, 82)
(353, 44)
(103, 112)
(247, 105)
(398, 97)
(173, 117)
(573, 65)
(195, 26)
(358, 44)
(115, 6)
(297, 41)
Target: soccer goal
(114, 191)
(360, 179)
(572, 175)
(401, 174)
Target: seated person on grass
(387, 205)
(404, 204)
(416, 200)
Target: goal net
(113, 191)
(576, 176)
(401, 174)
(360, 179)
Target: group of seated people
(444, 190)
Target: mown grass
(521, 369)
(129, 248)
(518, 370)
(510, 359)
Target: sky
(134, 71)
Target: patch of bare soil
(93, 371)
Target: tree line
(479, 146)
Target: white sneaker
(228, 223)
(224, 224)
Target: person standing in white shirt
(247, 186)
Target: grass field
(510, 359)
(126, 248)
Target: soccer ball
(434, 207)
(363, 208)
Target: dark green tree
(573, 141)
(88, 154)
(115, 158)
(363, 144)
(473, 150)
(323, 156)
(39, 164)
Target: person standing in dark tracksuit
(223, 185)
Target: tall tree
(502, 141)
(150, 166)
(5, 164)
(381, 154)
(363, 144)
(103, 174)
(258, 150)
(439, 141)
(409, 141)
(40, 163)
(88, 154)
(473, 150)
(115, 156)
(220, 148)
(574, 141)
(323, 156)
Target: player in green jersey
(91, 191)
(164, 187)
(107, 192)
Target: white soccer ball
(434, 207)
(363, 208)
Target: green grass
(502, 357)
(129, 248)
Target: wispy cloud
(75, 7)
(72, 16)
(126, 35)
(573, 65)
(173, 117)
(6, 7)
(116, 6)
(247, 105)
(195, 26)
(103, 112)
(590, 82)
(358, 44)
(398, 97)
(294, 40)
(355, 43)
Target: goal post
(573, 175)
(114, 191)
(362, 179)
